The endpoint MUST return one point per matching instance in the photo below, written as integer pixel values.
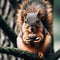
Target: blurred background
(56, 24)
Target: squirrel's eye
(26, 21)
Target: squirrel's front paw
(41, 55)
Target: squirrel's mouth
(34, 38)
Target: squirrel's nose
(32, 29)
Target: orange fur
(21, 15)
(39, 50)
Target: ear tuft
(39, 13)
(24, 13)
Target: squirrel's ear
(24, 13)
(39, 13)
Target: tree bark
(19, 53)
(55, 55)
(8, 31)
(26, 55)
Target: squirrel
(34, 25)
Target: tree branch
(8, 31)
(26, 55)
(55, 55)
(19, 53)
